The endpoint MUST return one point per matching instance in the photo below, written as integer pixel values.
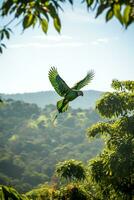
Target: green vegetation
(31, 145)
(72, 191)
(120, 9)
(7, 193)
(113, 170)
(71, 170)
(39, 12)
(109, 175)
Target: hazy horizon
(47, 91)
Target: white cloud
(104, 41)
(53, 38)
(50, 41)
(39, 45)
(100, 41)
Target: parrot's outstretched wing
(84, 81)
(57, 82)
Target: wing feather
(57, 82)
(84, 81)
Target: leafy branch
(32, 12)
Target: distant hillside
(31, 143)
(50, 97)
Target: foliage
(71, 191)
(10, 193)
(43, 192)
(122, 10)
(74, 191)
(4, 34)
(71, 170)
(113, 170)
(29, 14)
(31, 145)
(39, 12)
(120, 102)
(80, 190)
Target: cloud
(63, 41)
(51, 41)
(104, 41)
(53, 38)
(39, 45)
(100, 41)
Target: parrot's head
(80, 93)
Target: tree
(32, 12)
(71, 170)
(113, 170)
(10, 193)
(75, 173)
(29, 13)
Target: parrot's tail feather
(55, 117)
(53, 121)
(62, 105)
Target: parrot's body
(65, 91)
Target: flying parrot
(68, 94)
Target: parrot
(68, 93)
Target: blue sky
(84, 43)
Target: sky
(84, 43)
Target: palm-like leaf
(84, 81)
(57, 82)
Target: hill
(31, 145)
(50, 97)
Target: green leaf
(126, 15)
(44, 25)
(44, 11)
(71, 1)
(28, 20)
(7, 33)
(34, 21)
(57, 24)
(10, 30)
(11, 193)
(117, 12)
(1, 51)
(89, 2)
(13, 9)
(109, 15)
(19, 11)
(2, 35)
(6, 6)
(101, 8)
(3, 45)
(52, 10)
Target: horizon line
(42, 92)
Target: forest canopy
(31, 145)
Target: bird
(68, 93)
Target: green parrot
(68, 94)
